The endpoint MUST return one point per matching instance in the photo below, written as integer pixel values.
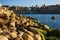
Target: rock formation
(16, 27)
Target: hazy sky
(29, 2)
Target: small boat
(53, 17)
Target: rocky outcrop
(16, 27)
(3, 37)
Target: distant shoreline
(39, 13)
(52, 9)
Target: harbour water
(46, 19)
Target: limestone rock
(20, 33)
(1, 31)
(13, 34)
(19, 38)
(29, 32)
(27, 37)
(12, 24)
(3, 37)
(37, 37)
(47, 27)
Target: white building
(53, 7)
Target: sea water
(46, 19)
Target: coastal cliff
(17, 27)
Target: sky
(29, 2)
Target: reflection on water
(46, 19)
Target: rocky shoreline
(17, 27)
